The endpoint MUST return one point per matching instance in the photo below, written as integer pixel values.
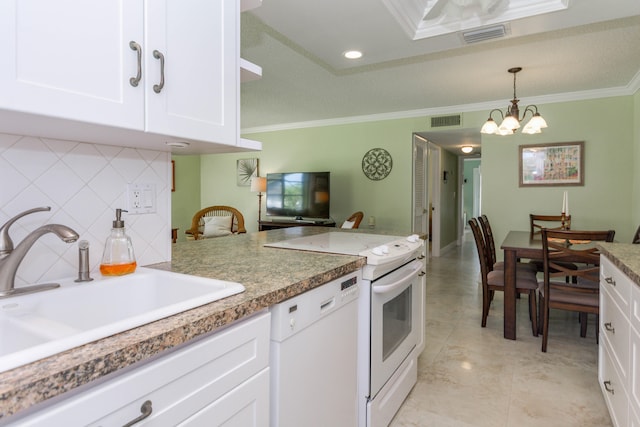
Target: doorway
(471, 196)
(426, 193)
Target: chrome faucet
(11, 258)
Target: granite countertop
(625, 256)
(270, 275)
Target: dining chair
(550, 222)
(216, 221)
(562, 247)
(636, 237)
(493, 280)
(353, 221)
(491, 248)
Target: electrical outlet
(136, 202)
(141, 198)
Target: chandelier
(511, 119)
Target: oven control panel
(397, 250)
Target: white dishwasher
(314, 339)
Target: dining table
(516, 245)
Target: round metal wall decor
(377, 164)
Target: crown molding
(628, 90)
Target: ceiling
(416, 62)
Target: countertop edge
(23, 387)
(625, 256)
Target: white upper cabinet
(198, 40)
(124, 72)
(71, 60)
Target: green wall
(185, 201)
(338, 149)
(636, 178)
(448, 199)
(605, 200)
(467, 203)
(609, 199)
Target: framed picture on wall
(245, 170)
(556, 164)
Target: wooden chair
(491, 248)
(493, 280)
(224, 220)
(582, 295)
(550, 222)
(354, 220)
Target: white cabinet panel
(68, 69)
(634, 369)
(613, 389)
(197, 39)
(72, 59)
(182, 387)
(617, 283)
(615, 329)
(619, 347)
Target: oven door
(395, 321)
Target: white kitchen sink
(38, 325)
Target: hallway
(471, 377)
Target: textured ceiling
(581, 48)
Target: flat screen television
(298, 194)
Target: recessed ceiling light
(467, 149)
(352, 54)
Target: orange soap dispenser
(118, 257)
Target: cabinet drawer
(179, 384)
(634, 418)
(614, 331)
(634, 370)
(612, 388)
(617, 283)
(245, 406)
(634, 316)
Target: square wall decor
(245, 170)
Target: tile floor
(471, 377)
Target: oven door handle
(383, 289)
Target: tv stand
(274, 225)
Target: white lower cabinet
(619, 347)
(222, 379)
(613, 388)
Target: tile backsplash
(83, 184)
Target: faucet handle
(6, 244)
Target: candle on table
(566, 203)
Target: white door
(72, 59)
(196, 40)
(426, 193)
(420, 205)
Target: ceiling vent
(486, 33)
(444, 121)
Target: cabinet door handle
(609, 328)
(135, 80)
(607, 386)
(145, 409)
(158, 55)
(610, 281)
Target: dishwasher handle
(389, 287)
